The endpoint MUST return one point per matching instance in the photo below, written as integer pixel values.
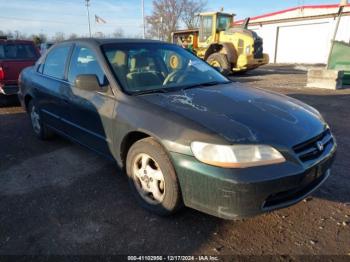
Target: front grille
(309, 150)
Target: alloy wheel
(35, 118)
(148, 179)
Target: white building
(301, 34)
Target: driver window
(84, 62)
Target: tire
(222, 61)
(241, 73)
(144, 176)
(39, 128)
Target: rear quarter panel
(26, 84)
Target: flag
(99, 20)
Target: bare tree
(59, 36)
(9, 34)
(43, 37)
(167, 14)
(99, 35)
(36, 39)
(118, 33)
(165, 18)
(19, 35)
(136, 36)
(73, 36)
(190, 9)
(16, 34)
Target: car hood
(241, 114)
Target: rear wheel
(152, 177)
(220, 60)
(40, 130)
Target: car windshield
(156, 67)
(17, 51)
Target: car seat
(142, 76)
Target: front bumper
(241, 193)
(9, 90)
(247, 62)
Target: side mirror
(87, 83)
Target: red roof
(291, 9)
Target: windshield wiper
(167, 90)
(212, 83)
(152, 91)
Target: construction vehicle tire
(220, 60)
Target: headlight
(247, 50)
(236, 156)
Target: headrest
(139, 61)
(119, 58)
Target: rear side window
(56, 61)
(17, 52)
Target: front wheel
(152, 177)
(40, 130)
(220, 60)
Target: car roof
(99, 41)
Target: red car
(15, 55)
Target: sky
(70, 16)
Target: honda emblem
(320, 146)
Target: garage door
(306, 43)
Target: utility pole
(87, 3)
(143, 19)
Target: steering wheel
(173, 76)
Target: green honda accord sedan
(185, 134)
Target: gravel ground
(59, 198)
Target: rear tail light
(2, 74)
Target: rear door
(14, 57)
(91, 112)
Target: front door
(91, 112)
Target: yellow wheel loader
(221, 44)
